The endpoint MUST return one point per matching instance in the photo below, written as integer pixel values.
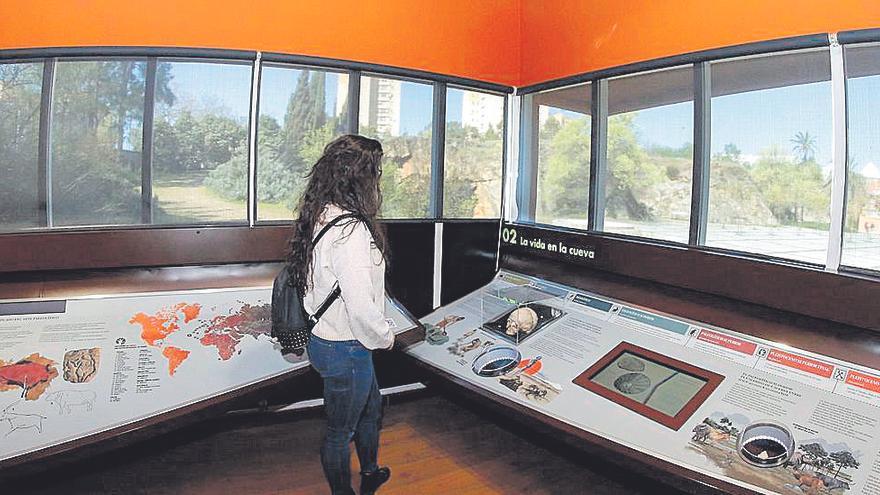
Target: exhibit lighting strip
(839, 158)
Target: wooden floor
(433, 444)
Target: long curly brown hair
(347, 175)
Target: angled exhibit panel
(748, 413)
(76, 371)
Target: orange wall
(566, 37)
(475, 39)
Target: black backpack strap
(331, 223)
(331, 298)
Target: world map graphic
(224, 332)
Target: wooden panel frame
(137, 247)
(712, 381)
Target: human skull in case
(521, 320)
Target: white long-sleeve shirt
(347, 254)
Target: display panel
(73, 369)
(746, 411)
(658, 387)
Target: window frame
(49, 57)
(502, 164)
(702, 145)
(350, 117)
(858, 40)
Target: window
(96, 136)
(200, 153)
(301, 110)
(20, 88)
(769, 182)
(400, 115)
(861, 237)
(473, 154)
(561, 155)
(650, 154)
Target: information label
(860, 386)
(656, 325)
(725, 346)
(591, 302)
(800, 368)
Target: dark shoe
(370, 482)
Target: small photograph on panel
(525, 320)
(468, 342)
(527, 380)
(436, 334)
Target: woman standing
(353, 253)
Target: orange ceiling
(475, 39)
(515, 42)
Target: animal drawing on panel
(65, 399)
(20, 420)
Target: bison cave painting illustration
(31, 374)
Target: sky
(754, 121)
(228, 86)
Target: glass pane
(562, 156)
(20, 88)
(399, 114)
(200, 153)
(650, 154)
(97, 123)
(473, 154)
(301, 110)
(769, 184)
(861, 237)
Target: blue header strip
(592, 303)
(657, 321)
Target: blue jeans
(353, 406)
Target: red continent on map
(226, 331)
(224, 342)
(32, 374)
(175, 357)
(164, 322)
(155, 328)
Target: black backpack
(291, 325)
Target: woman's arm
(352, 263)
